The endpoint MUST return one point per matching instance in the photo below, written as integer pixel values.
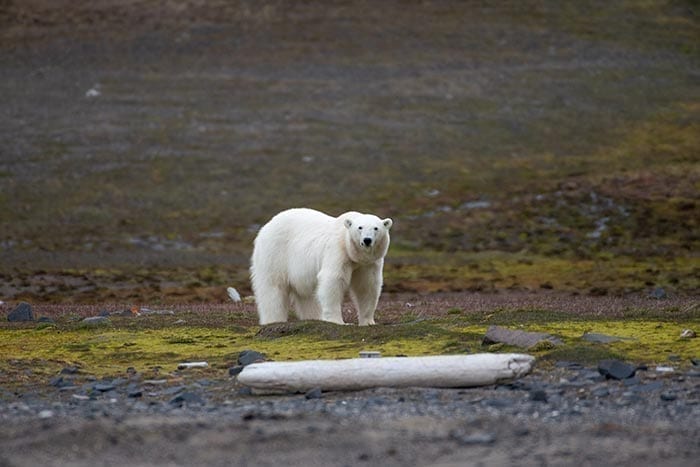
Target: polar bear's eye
(359, 228)
(376, 228)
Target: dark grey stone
(525, 339)
(600, 392)
(70, 370)
(233, 371)
(538, 395)
(649, 387)
(499, 403)
(173, 390)
(103, 313)
(668, 396)
(59, 382)
(658, 293)
(104, 387)
(22, 312)
(246, 357)
(616, 369)
(314, 393)
(592, 375)
(189, 398)
(633, 381)
(46, 319)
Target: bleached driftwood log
(360, 373)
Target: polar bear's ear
(348, 223)
(387, 223)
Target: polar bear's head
(367, 236)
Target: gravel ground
(551, 417)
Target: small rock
(103, 313)
(538, 395)
(649, 387)
(600, 392)
(665, 369)
(314, 393)
(674, 358)
(688, 334)
(233, 371)
(370, 354)
(45, 414)
(180, 321)
(246, 357)
(22, 312)
(616, 369)
(668, 396)
(133, 391)
(186, 398)
(592, 375)
(95, 320)
(104, 387)
(172, 390)
(695, 361)
(46, 319)
(59, 382)
(658, 293)
(498, 334)
(633, 381)
(70, 370)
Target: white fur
(309, 260)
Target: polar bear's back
(289, 247)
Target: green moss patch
(157, 345)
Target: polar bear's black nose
(367, 241)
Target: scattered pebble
(658, 293)
(46, 414)
(22, 312)
(233, 371)
(688, 334)
(525, 339)
(314, 393)
(668, 396)
(186, 398)
(246, 357)
(616, 369)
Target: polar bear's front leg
(332, 286)
(365, 287)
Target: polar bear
(310, 260)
